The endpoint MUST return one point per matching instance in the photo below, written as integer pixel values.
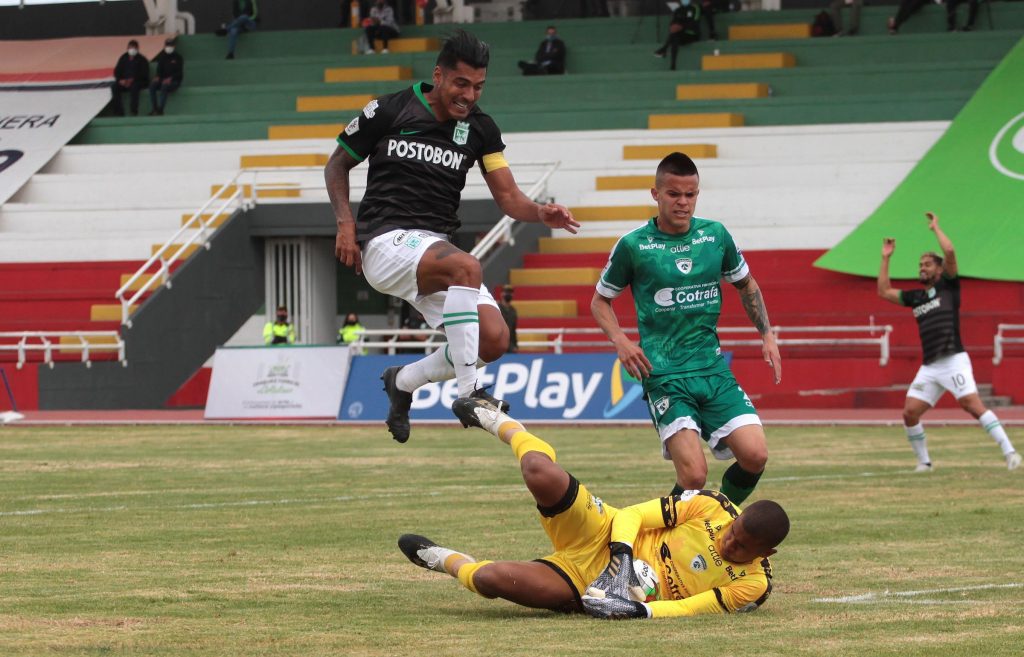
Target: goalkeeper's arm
(618, 576)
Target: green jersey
(676, 291)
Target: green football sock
(738, 484)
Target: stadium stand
(862, 110)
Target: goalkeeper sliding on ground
(707, 556)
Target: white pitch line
(358, 498)
(873, 597)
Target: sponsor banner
(35, 124)
(539, 387)
(973, 178)
(277, 382)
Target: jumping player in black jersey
(421, 143)
(946, 365)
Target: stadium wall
(173, 333)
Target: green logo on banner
(972, 177)
(1007, 150)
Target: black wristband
(620, 548)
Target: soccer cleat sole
(411, 544)
(465, 409)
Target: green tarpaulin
(973, 178)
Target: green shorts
(713, 405)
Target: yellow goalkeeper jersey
(677, 536)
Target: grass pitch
(234, 541)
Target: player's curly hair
(934, 256)
(676, 164)
(766, 521)
(461, 46)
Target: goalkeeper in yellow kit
(709, 557)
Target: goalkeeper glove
(618, 576)
(613, 607)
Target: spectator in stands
(350, 330)
(131, 74)
(247, 15)
(906, 9)
(972, 13)
(170, 70)
(550, 56)
(836, 9)
(279, 331)
(684, 29)
(946, 365)
(511, 317)
(693, 395)
(708, 9)
(381, 25)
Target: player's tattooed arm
(753, 304)
(346, 248)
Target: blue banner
(539, 387)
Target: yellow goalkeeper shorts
(579, 527)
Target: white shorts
(389, 265)
(953, 373)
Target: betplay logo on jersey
(461, 135)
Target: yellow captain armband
(494, 161)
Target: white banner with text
(36, 123)
(277, 382)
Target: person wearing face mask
(279, 331)
(683, 29)
(511, 317)
(550, 57)
(421, 144)
(131, 74)
(170, 70)
(350, 330)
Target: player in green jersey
(674, 264)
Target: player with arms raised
(946, 365)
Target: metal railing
(556, 338)
(501, 233)
(1001, 339)
(247, 185)
(393, 340)
(47, 341)
(172, 250)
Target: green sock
(738, 484)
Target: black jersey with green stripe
(418, 165)
(937, 311)
(676, 291)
